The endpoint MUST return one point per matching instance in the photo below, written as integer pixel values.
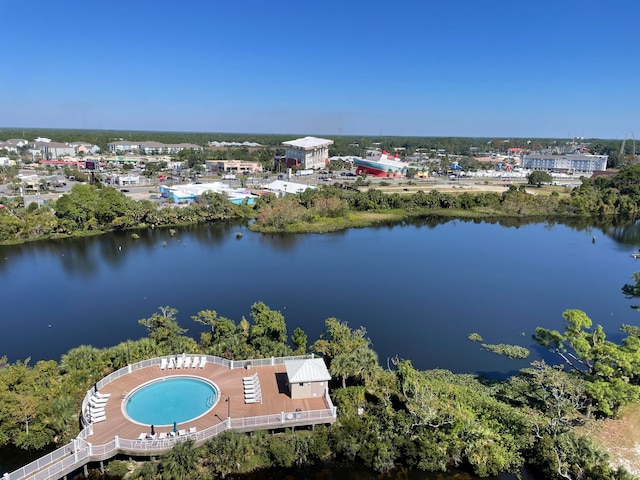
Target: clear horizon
(464, 69)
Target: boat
(380, 164)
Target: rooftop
(309, 143)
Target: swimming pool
(171, 399)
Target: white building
(307, 378)
(281, 187)
(13, 144)
(307, 152)
(574, 163)
(53, 150)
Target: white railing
(65, 459)
(265, 362)
(57, 463)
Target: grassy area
(368, 219)
(326, 225)
(620, 437)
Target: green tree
(299, 340)
(338, 338)
(612, 371)
(538, 177)
(268, 323)
(181, 463)
(163, 327)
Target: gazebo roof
(309, 370)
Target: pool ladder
(211, 400)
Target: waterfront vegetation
(89, 210)
(397, 415)
(332, 208)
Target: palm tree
(181, 463)
(64, 415)
(148, 471)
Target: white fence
(79, 452)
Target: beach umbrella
(175, 427)
(153, 432)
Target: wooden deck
(275, 399)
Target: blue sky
(489, 68)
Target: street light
(228, 400)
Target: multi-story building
(307, 152)
(150, 148)
(573, 163)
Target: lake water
(419, 288)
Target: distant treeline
(343, 145)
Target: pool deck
(275, 399)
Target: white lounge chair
(252, 396)
(102, 395)
(252, 378)
(94, 404)
(179, 362)
(163, 364)
(182, 431)
(172, 363)
(98, 418)
(195, 362)
(162, 436)
(96, 411)
(142, 436)
(187, 362)
(98, 399)
(253, 389)
(203, 361)
(253, 400)
(192, 430)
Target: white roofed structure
(307, 152)
(282, 187)
(307, 378)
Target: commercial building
(233, 166)
(307, 152)
(53, 150)
(570, 163)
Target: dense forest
(427, 420)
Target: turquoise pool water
(173, 399)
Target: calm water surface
(419, 289)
